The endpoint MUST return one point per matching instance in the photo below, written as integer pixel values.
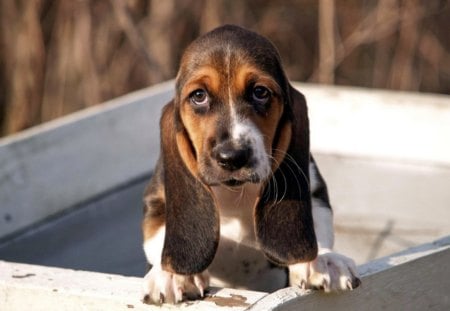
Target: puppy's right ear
(192, 222)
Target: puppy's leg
(329, 271)
(159, 285)
(165, 287)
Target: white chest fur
(239, 262)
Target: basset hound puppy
(236, 199)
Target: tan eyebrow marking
(205, 77)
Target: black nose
(231, 158)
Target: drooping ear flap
(283, 216)
(192, 222)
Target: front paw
(330, 271)
(165, 287)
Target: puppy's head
(230, 96)
(235, 119)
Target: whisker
(299, 168)
(291, 164)
(241, 196)
(291, 158)
(276, 201)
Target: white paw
(330, 271)
(165, 287)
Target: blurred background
(60, 56)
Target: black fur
(284, 224)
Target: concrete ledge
(416, 279)
(31, 287)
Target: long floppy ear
(192, 222)
(283, 216)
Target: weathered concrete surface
(415, 279)
(32, 287)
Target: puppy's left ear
(283, 216)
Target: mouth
(233, 182)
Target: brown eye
(199, 97)
(261, 95)
(260, 98)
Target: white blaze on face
(243, 131)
